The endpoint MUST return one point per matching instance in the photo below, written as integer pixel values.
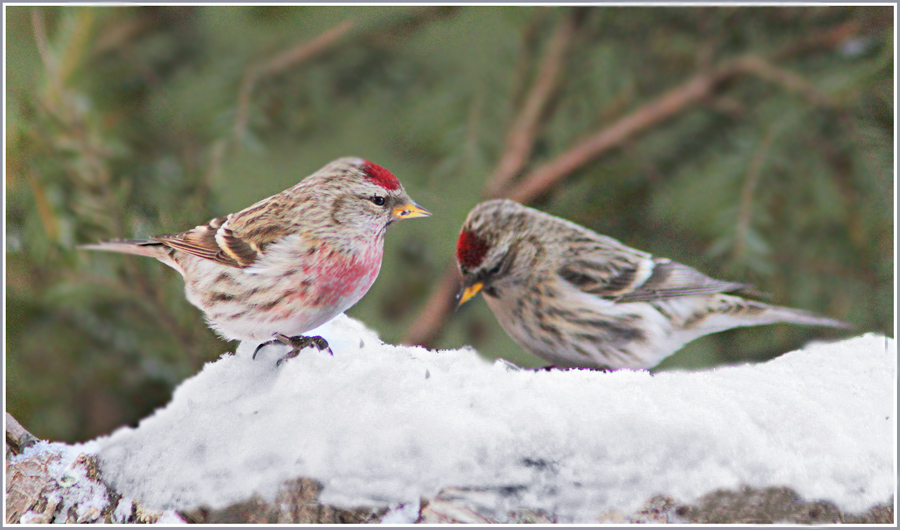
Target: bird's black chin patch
(491, 291)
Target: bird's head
(493, 248)
(363, 195)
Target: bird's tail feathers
(139, 247)
(730, 311)
(798, 316)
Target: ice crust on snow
(383, 425)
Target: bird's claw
(296, 343)
(263, 345)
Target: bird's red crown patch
(382, 177)
(470, 250)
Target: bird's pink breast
(339, 281)
(291, 299)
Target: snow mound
(383, 425)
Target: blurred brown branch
(50, 63)
(441, 302)
(788, 80)
(696, 90)
(524, 130)
(48, 217)
(551, 173)
(122, 34)
(747, 194)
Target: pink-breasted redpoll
(288, 263)
(579, 299)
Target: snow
(123, 510)
(383, 425)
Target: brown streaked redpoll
(579, 299)
(288, 263)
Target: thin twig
(295, 55)
(525, 57)
(324, 43)
(523, 132)
(789, 80)
(40, 38)
(122, 34)
(747, 192)
(51, 64)
(828, 38)
(45, 211)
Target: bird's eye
(378, 200)
(495, 269)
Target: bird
(579, 299)
(290, 262)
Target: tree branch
(650, 114)
(427, 326)
(17, 437)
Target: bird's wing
(235, 240)
(213, 241)
(264, 222)
(624, 275)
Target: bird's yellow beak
(469, 292)
(410, 211)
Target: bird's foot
(300, 342)
(296, 343)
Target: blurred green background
(134, 121)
